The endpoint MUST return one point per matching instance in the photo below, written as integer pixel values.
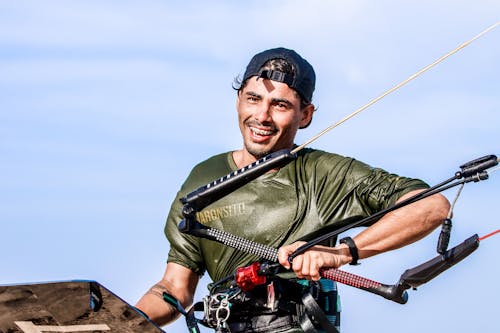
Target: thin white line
(399, 85)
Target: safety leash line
(489, 235)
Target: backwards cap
(303, 81)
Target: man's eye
(281, 105)
(252, 99)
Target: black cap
(303, 81)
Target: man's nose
(263, 114)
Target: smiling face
(269, 115)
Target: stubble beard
(256, 152)
(255, 149)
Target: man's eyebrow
(274, 100)
(281, 100)
(253, 94)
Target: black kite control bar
(474, 170)
(411, 278)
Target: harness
(258, 311)
(278, 305)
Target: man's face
(269, 116)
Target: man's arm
(178, 281)
(394, 230)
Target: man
(315, 191)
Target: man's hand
(308, 265)
(394, 230)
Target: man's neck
(242, 158)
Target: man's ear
(307, 115)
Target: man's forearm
(153, 305)
(403, 226)
(178, 281)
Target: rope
(396, 87)
(450, 212)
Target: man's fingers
(285, 251)
(283, 254)
(297, 265)
(306, 263)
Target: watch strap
(353, 250)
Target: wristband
(353, 250)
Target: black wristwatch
(352, 249)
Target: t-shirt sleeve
(381, 189)
(347, 188)
(184, 249)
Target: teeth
(260, 132)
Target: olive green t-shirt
(315, 191)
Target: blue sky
(106, 105)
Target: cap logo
(276, 76)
